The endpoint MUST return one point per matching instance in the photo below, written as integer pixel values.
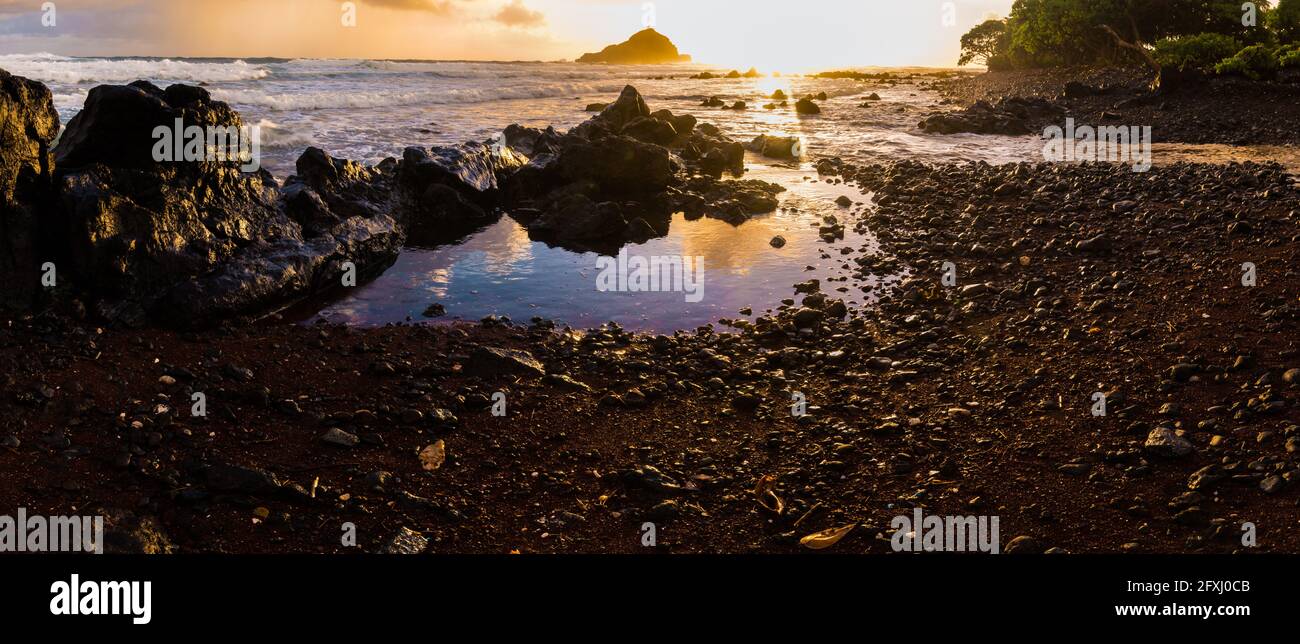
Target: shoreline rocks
(28, 125)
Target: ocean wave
(50, 68)
(275, 136)
(337, 100)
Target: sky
(772, 35)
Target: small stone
(405, 542)
(778, 241)
(166, 380)
(1183, 372)
(1271, 484)
(1023, 545)
(336, 436)
(1166, 442)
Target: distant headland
(645, 47)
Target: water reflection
(498, 270)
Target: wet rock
(807, 107)
(1011, 116)
(805, 318)
(192, 242)
(493, 361)
(777, 242)
(28, 125)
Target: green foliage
(1256, 62)
(1049, 33)
(1284, 21)
(1289, 57)
(1201, 51)
(983, 43)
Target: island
(645, 47)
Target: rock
(194, 242)
(1271, 484)
(1075, 89)
(651, 130)
(28, 125)
(777, 147)
(807, 106)
(1165, 442)
(1183, 372)
(777, 242)
(1097, 244)
(405, 542)
(493, 361)
(474, 171)
(645, 47)
(1011, 116)
(127, 533)
(627, 108)
(596, 107)
(340, 438)
(1291, 376)
(1023, 545)
(241, 480)
(807, 318)
(617, 164)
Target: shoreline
(966, 397)
(994, 433)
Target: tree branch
(1137, 46)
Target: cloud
(440, 7)
(516, 14)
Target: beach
(934, 331)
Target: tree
(1044, 33)
(1285, 21)
(983, 42)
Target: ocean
(367, 110)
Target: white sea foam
(334, 100)
(275, 136)
(49, 68)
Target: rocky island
(645, 47)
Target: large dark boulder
(28, 125)
(116, 125)
(618, 164)
(190, 243)
(445, 192)
(629, 107)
